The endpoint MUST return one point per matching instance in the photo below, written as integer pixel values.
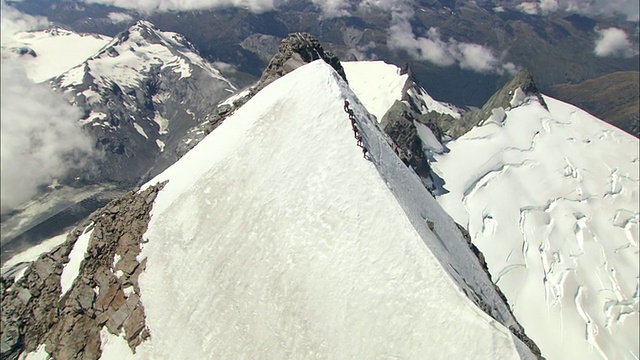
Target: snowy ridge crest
(304, 209)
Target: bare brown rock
(34, 313)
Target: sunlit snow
(378, 85)
(71, 269)
(57, 51)
(552, 200)
(274, 238)
(125, 61)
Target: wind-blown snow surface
(274, 238)
(551, 199)
(378, 85)
(57, 50)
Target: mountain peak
(521, 90)
(296, 50)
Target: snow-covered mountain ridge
(550, 196)
(141, 93)
(304, 248)
(48, 53)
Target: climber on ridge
(354, 127)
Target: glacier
(550, 197)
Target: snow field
(366, 78)
(551, 199)
(71, 270)
(274, 238)
(378, 85)
(57, 51)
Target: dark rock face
(296, 50)
(104, 294)
(264, 46)
(398, 123)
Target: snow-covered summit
(135, 52)
(275, 238)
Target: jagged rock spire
(296, 50)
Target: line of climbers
(356, 132)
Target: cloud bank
(626, 8)
(431, 47)
(117, 17)
(13, 21)
(40, 139)
(336, 8)
(149, 6)
(614, 42)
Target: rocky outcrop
(104, 294)
(520, 88)
(296, 50)
(398, 123)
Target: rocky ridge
(521, 88)
(294, 51)
(104, 294)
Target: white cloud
(333, 8)
(626, 8)
(434, 49)
(614, 42)
(40, 137)
(530, 8)
(117, 17)
(547, 6)
(169, 5)
(13, 21)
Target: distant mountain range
(140, 93)
(244, 220)
(557, 48)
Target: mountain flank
(614, 98)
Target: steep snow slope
(378, 85)
(551, 199)
(274, 238)
(55, 51)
